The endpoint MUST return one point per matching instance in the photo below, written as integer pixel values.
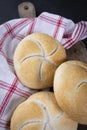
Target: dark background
(75, 10)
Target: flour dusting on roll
(70, 89)
(41, 112)
(36, 58)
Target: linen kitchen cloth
(12, 92)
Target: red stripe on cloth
(84, 29)
(4, 124)
(18, 23)
(5, 35)
(0, 44)
(81, 32)
(31, 28)
(77, 35)
(23, 93)
(9, 30)
(8, 96)
(4, 84)
(9, 61)
(67, 35)
(17, 91)
(23, 21)
(51, 20)
(73, 37)
(57, 28)
(19, 37)
(12, 34)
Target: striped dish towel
(12, 92)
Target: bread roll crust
(70, 89)
(41, 112)
(36, 58)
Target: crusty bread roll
(41, 112)
(36, 58)
(70, 89)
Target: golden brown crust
(36, 58)
(70, 88)
(41, 112)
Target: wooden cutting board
(77, 52)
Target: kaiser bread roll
(36, 58)
(70, 89)
(41, 112)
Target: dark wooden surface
(75, 10)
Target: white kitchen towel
(12, 92)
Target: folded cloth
(12, 92)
